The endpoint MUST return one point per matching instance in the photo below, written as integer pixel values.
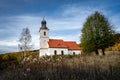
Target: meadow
(64, 67)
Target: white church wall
(59, 51)
(51, 51)
(44, 42)
(71, 52)
(43, 52)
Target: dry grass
(66, 68)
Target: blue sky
(65, 18)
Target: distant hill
(15, 57)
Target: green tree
(25, 41)
(117, 37)
(97, 33)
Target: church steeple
(43, 24)
(44, 38)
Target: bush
(5, 57)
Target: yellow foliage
(116, 47)
(5, 57)
(30, 56)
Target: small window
(55, 52)
(62, 52)
(44, 33)
(73, 53)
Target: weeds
(66, 68)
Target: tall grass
(66, 68)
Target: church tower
(44, 38)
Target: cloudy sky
(65, 19)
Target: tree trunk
(103, 51)
(96, 52)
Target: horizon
(65, 19)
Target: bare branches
(25, 41)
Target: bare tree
(25, 41)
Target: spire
(44, 18)
(43, 24)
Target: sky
(65, 19)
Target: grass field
(66, 67)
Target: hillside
(66, 67)
(15, 57)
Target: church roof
(72, 45)
(58, 43)
(43, 27)
(43, 24)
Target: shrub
(5, 57)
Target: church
(55, 46)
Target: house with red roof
(55, 46)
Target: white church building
(55, 46)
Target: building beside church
(55, 46)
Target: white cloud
(115, 21)
(8, 43)
(35, 41)
(8, 46)
(68, 37)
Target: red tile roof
(58, 43)
(72, 45)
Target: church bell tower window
(44, 33)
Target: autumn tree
(117, 37)
(116, 47)
(97, 33)
(25, 41)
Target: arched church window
(62, 52)
(44, 33)
(55, 52)
(73, 53)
